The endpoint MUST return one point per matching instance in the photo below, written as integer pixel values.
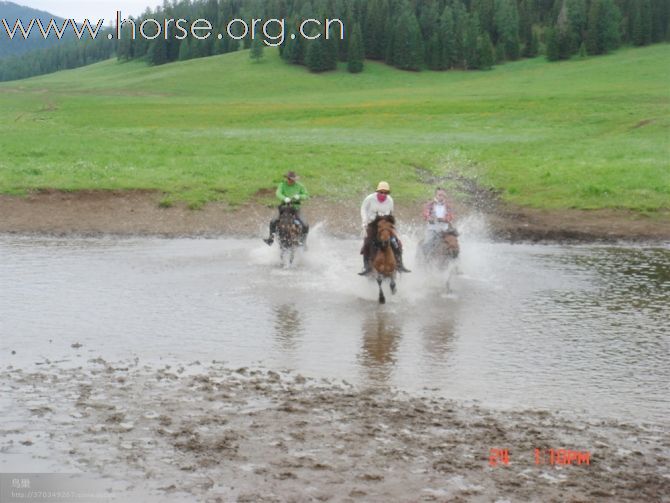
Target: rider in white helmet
(379, 203)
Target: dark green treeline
(409, 34)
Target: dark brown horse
(382, 258)
(289, 232)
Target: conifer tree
(553, 49)
(184, 50)
(611, 22)
(256, 51)
(526, 27)
(582, 50)
(294, 52)
(593, 37)
(375, 19)
(157, 54)
(603, 33)
(506, 19)
(315, 55)
(355, 51)
(471, 45)
(446, 39)
(500, 53)
(407, 49)
(486, 52)
(460, 23)
(434, 53)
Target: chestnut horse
(382, 258)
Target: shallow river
(578, 329)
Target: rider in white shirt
(379, 203)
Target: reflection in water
(381, 332)
(438, 339)
(288, 326)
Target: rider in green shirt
(290, 191)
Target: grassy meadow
(592, 133)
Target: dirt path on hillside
(139, 213)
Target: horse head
(384, 232)
(450, 243)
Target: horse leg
(393, 289)
(382, 299)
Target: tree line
(63, 55)
(408, 34)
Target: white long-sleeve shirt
(371, 207)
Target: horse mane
(383, 218)
(388, 218)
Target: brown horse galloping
(383, 260)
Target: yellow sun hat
(384, 186)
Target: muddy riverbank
(213, 433)
(139, 213)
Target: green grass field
(591, 133)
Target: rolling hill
(585, 133)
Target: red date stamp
(551, 457)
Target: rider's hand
(287, 200)
(297, 197)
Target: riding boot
(366, 267)
(273, 231)
(303, 239)
(400, 267)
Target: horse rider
(379, 203)
(290, 191)
(439, 216)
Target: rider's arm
(280, 192)
(365, 209)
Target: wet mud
(206, 432)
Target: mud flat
(206, 432)
(140, 213)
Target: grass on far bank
(588, 134)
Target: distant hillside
(586, 133)
(11, 12)
(21, 58)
